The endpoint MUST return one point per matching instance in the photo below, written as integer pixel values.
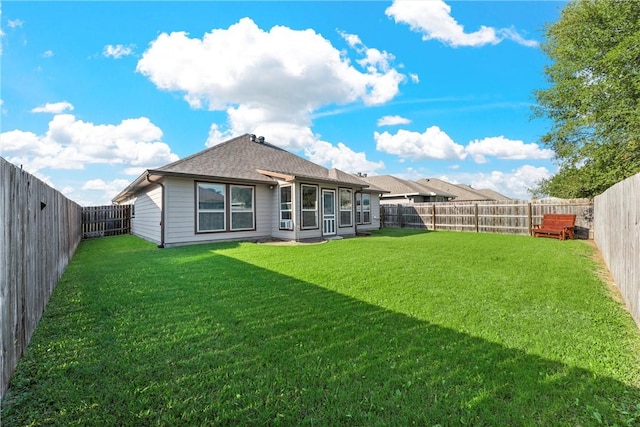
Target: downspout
(161, 245)
(355, 210)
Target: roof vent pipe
(252, 137)
(261, 139)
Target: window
(346, 207)
(241, 208)
(309, 206)
(363, 208)
(211, 207)
(366, 208)
(286, 214)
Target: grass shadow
(209, 339)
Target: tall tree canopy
(593, 99)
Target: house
(462, 193)
(403, 191)
(248, 189)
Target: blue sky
(95, 93)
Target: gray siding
(146, 222)
(180, 215)
(375, 215)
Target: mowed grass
(400, 328)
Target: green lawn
(399, 328)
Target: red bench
(558, 226)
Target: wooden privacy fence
(101, 221)
(39, 233)
(510, 217)
(617, 235)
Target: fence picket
(102, 221)
(39, 232)
(512, 217)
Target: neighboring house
(490, 194)
(462, 193)
(403, 191)
(248, 189)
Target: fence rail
(39, 233)
(617, 235)
(101, 221)
(512, 217)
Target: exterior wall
(395, 200)
(375, 215)
(146, 222)
(317, 233)
(304, 234)
(180, 215)
(276, 233)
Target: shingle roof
(397, 186)
(462, 192)
(241, 158)
(244, 158)
(491, 194)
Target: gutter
(161, 245)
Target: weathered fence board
(617, 235)
(512, 217)
(39, 233)
(101, 221)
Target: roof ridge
(198, 153)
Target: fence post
(475, 217)
(399, 216)
(530, 218)
(433, 217)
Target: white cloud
(513, 35)
(96, 192)
(117, 51)
(514, 183)
(216, 136)
(392, 121)
(432, 144)
(47, 54)
(110, 189)
(352, 39)
(14, 23)
(341, 157)
(71, 144)
(270, 82)
(53, 107)
(433, 19)
(504, 148)
(281, 75)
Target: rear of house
(248, 189)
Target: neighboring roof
(493, 195)
(401, 187)
(462, 192)
(245, 158)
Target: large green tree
(593, 97)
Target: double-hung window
(346, 207)
(309, 207)
(366, 208)
(363, 208)
(242, 217)
(286, 212)
(211, 207)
